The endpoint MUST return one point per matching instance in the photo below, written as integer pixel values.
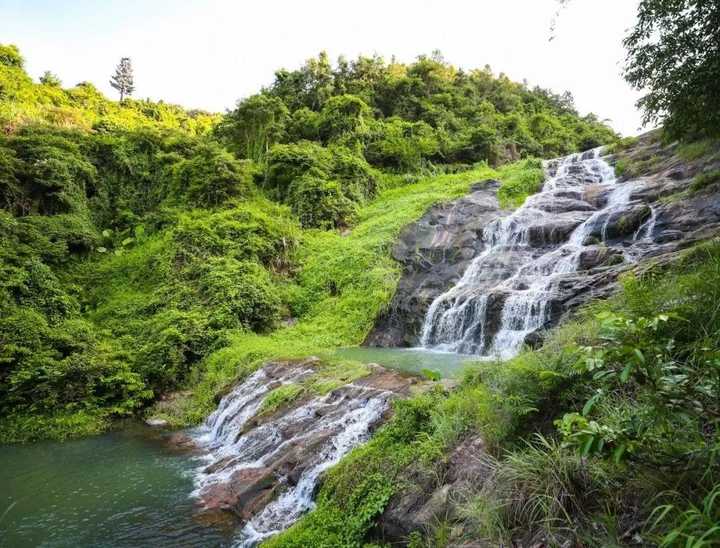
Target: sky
(208, 54)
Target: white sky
(208, 54)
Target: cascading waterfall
(331, 424)
(510, 289)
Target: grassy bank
(606, 436)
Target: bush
(10, 56)
(239, 294)
(344, 119)
(211, 176)
(320, 203)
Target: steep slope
(586, 440)
(481, 282)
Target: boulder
(434, 252)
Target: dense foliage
(673, 55)
(145, 248)
(389, 116)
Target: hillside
(148, 249)
(156, 262)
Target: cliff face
(474, 274)
(434, 252)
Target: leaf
(590, 403)
(618, 452)
(106, 233)
(102, 250)
(127, 241)
(625, 374)
(639, 355)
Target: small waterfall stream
(294, 447)
(510, 289)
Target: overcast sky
(209, 53)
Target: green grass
(342, 285)
(60, 426)
(519, 180)
(697, 149)
(704, 180)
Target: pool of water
(410, 360)
(123, 488)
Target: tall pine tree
(122, 80)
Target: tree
(255, 125)
(50, 79)
(673, 54)
(10, 56)
(122, 80)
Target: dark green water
(410, 360)
(119, 489)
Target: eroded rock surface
(567, 245)
(434, 252)
(263, 466)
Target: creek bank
(263, 464)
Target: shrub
(344, 119)
(240, 294)
(320, 203)
(10, 56)
(211, 176)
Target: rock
(156, 422)
(434, 252)
(181, 442)
(266, 456)
(423, 501)
(246, 491)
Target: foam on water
(516, 277)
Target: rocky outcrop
(434, 252)
(431, 496)
(263, 465)
(581, 233)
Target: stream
(124, 488)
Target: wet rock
(626, 222)
(244, 492)
(182, 443)
(556, 228)
(434, 252)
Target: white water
(526, 255)
(337, 421)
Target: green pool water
(410, 360)
(119, 489)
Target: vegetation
(123, 80)
(673, 55)
(146, 248)
(627, 396)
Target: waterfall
(511, 289)
(320, 429)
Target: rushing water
(341, 420)
(119, 489)
(508, 291)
